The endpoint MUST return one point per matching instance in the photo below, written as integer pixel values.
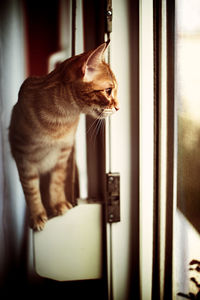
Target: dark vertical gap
(94, 16)
(168, 284)
(157, 8)
(94, 30)
(134, 284)
(73, 178)
(73, 27)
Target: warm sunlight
(188, 115)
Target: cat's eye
(108, 91)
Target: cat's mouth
(104, 113)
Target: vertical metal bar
(111, 265)
(94, 34)
(74, 170)
(108, 31)
(146, 142)
(109, 120)
(134, 108)
(157, 93)
(73, 27)
(168, 284)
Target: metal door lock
(113, 197)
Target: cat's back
(23, 117)
(30, 86)
(42, 108)
(65, 71)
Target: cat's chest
(49, 154)
(49, 160)
(61, 132)
(59, 135)
(50, 143)
(49, 148)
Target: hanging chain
(109, 14)
(113, 179)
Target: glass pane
(188, 120)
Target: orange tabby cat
(44, 123)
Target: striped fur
(44, 122)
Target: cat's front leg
(30, 184)
(58, 202)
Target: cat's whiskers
(95, 121)
(94, 131)
(92, 125)
(96, 127)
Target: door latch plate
(113, 197)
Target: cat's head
(95, 91)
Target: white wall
(186, 234)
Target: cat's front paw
(60, 208)
(37, 222)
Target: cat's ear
(96, 56)
(91, 65)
